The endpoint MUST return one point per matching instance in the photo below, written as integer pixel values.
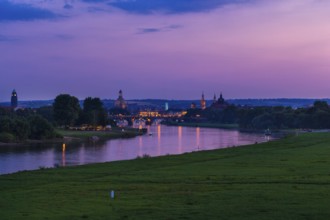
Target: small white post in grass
(112, 194)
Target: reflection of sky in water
(162, 140)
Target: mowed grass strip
(285, 179)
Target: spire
(214, 98)
(14, 99)
(221, 100)
(203, 102)
(120, 102)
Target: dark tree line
(24, 124)
(315, 117)
(39, 123)
(66, 109)
(228, 115)
(68, 112)
(279, 117)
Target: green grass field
(285, 179)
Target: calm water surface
(164, 140)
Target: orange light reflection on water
(140, 146)
(159, 130)
(198, 130)
(63, 154)
(180, 139)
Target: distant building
(14, 100)
(220, 103)
(174, 113)
(122, 123)
(120, 102)
(214, 99)
(149, 114)
(166, 106)
(193, 105)
(203, 102)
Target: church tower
(221, 100)
(203, 102)
(214, 98)
(14, 99)
(220, 103)
(121, 94)
(120, 102)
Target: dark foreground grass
(287, 179)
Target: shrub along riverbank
(285, 179)
(111, 134)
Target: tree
(6, 111)
(94, 112)
(321, 119)
(66, 109)
(321, 105)
(40, 128)
(5, 124)
(263, 121)
(24, 112)
(230, 114)
(46, 112)
(21, 128)
(246, 116)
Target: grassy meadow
(285, 179)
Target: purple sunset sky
(172, 49)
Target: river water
(160, 140)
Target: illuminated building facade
(203, 102)
(120, 102)
(157, 114)
(149, 114)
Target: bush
(40, 128)
(6, 137)
(21, 128)
(5, 124)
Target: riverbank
(111, 134)
(285, 179)
(278, 133)
(72, 135)
(203, 125)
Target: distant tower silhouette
(14, 99)
(220, 103)
(203, 102)
(120, 102)
(214, 98)
(221, 100)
